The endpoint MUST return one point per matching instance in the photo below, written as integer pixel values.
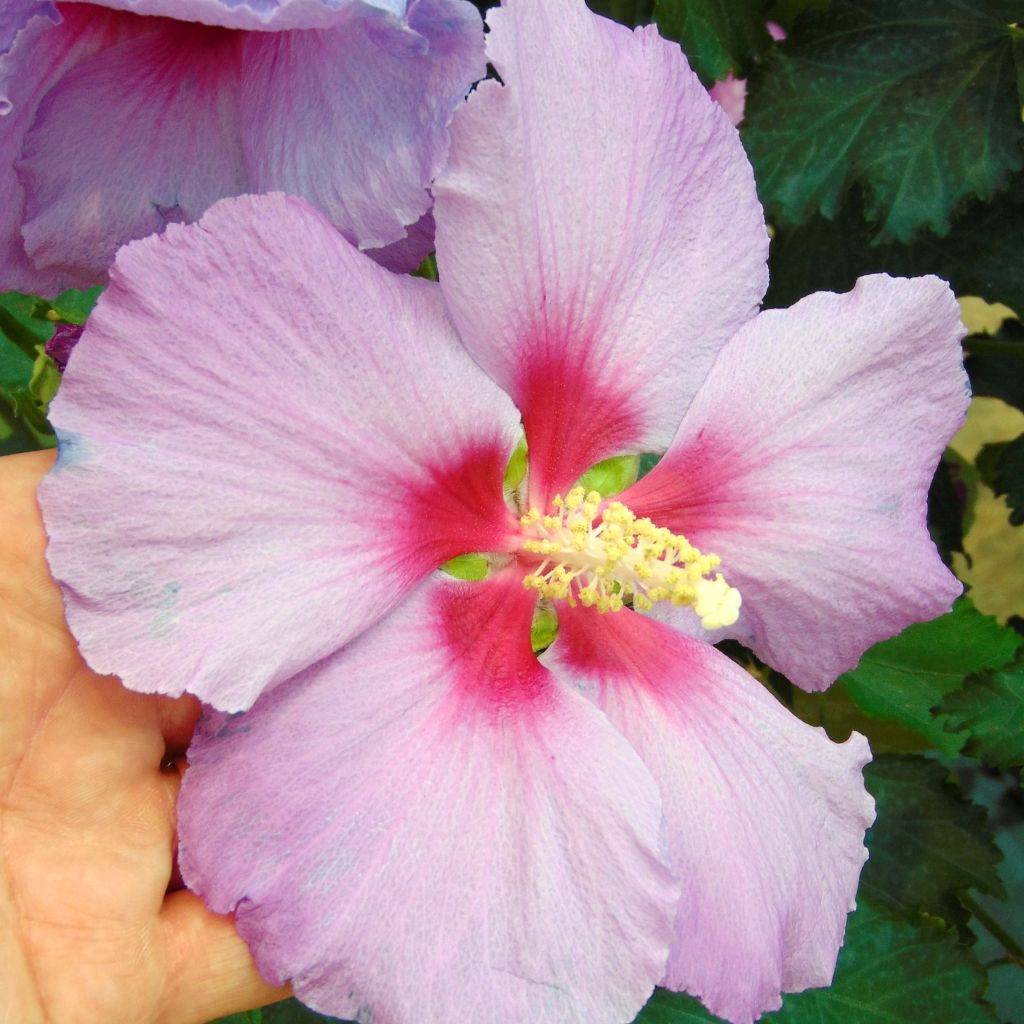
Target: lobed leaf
(914, 99)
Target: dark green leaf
(625, 12)
(915, 99)
(928, 843)
(291, 1011)
(904, 678)
(1002, 468)
(981, 256)
(1017, 35)
(996, 363)
(889, 972)
(894, 972)
(673, 1008)
(717, 36)
(988, 711)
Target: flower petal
(765, 815)
(36, 50)
(598, 233)
(805, 462)
(427, 829)
(266, 440)
(165, 148)
(257, 14)
(385, 92)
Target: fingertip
(211, 972)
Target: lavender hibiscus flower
(123, 115)
(416, 819)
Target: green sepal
(611, 476)
(544, 629)
(515, 471)
(469, 567)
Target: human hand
(92, 926)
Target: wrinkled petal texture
(293, 437)
(120, 124)
(805, 463)
(165, 148)
(765, 815)
(272, 15)
(33, 57)
(598, 233)
(428, 828)
(383, 99)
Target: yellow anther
(574, 498)
(620, 559)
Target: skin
(94, 924)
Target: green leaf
(894, 972)
(905, 677)
(928, 843)
(981, 255)
(544, 629)
(915, 99)
(70, 307)
(466, 567)
(1002, 468)
(291, 1011)
(988, 711)
(717, 36)
(889, 972)
(626, 12)
(995, 363)
(611, 476)
(673, 1008)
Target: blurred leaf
(1002, 468)
(916, 99)
(515, 471)
(717, 36)
(980, 256)
(26, 383)
(611, 476)
(996, 362)
(928, 843)
(544, 629)
(889, 972)
(905, 677)
(988, 712)
(785, 12)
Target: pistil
(608, 558)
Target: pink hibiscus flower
(118, 121)
(269, 444)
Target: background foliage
(886, 135)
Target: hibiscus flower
(120, 116)
(268, 445)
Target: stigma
(617, 560)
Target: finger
(212, 973)
(178, 717)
